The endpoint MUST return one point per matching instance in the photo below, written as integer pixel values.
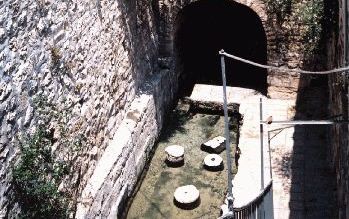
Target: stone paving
(247, 182)
(303, 185)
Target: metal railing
(262, 206)
(259, 208)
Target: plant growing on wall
(279, 7)
(47, 153)
(36, 178)
(40, 170)
(313, 15)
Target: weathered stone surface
(209, 98)
(175, 153)
(213, 162)
(215, 145)
(187, 194)
(5, 91)
(2, 34)
(28, 115)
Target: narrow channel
(154, 196)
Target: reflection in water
(154, 198)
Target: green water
(154, 198)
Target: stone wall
(90, 61)
(338, 84)
(117, 171)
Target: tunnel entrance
(205, 27)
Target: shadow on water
(154, 198)
(175, 121)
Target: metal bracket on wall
(306, 122)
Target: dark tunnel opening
(205, 27)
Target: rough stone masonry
(94, 58)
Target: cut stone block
(215, 145)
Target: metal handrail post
(270, 167)
(261, 138)
(227, 142)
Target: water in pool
(154, 198)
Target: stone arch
(168, 12)
(202, 28)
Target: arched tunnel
(207, 26)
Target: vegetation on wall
(47, 153)
(317, 18)
(36, 178)
(281, 8)
(311, 14)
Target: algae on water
(154, 198)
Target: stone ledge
(123, 161)
(121, 149)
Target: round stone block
(175, 155)
(187, 197)
(213, 162)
